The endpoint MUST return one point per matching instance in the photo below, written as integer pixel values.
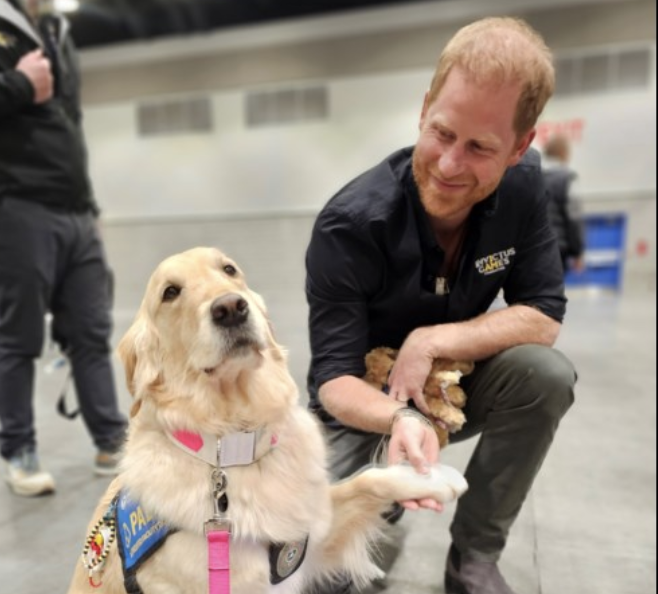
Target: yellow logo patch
(7, 40)
(495, 262)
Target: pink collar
(236, 449)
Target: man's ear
(423, 111)
(522, 145)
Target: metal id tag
(237, 449)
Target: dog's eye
(170, 293)
(230, 270)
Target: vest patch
(7, 40)
(285, 559)
(139, 533)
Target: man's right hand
(37, 69)
(415, 441)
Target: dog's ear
(276, 349)
(139, 353)
(260, 302)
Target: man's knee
(546, 378)
(350, 450)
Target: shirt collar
(488, 207)
(16, 17)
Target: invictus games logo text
(496, 262)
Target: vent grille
(284, 106)
(609, 70)
(181, 116)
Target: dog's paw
(450, 477)
(443, 483)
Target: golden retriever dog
(223, 486)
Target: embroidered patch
(7, 40)
(285, 559)
(496, 262)
(139, 533)
(98, 544)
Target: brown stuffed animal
(443, 394)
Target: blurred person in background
(51, 254)
(564, 208)
(411, 255)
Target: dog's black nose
(229, 310)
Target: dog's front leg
(359, 502)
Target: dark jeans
(515, 402)
(54, 261)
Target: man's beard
(439, 206)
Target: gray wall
(254, 193)
(363, 43)
(270, 251)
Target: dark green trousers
(515, 402)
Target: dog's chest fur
(280, 498)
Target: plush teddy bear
(443, 394)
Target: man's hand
(412, 366)
(414, 440)
(37, 69)
(578, 264)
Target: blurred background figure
(51, 255)
(564, 208)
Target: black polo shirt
(372, 264)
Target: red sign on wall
(572, 129)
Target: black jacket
(43, 157)
(373, 260)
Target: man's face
(466, 143)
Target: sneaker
(25, 477)
(465, 575)
(107, 463)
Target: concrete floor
(587, 527)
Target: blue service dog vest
(140, 535)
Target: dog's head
(198, 325)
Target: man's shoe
(465, 575)
(107, 463)
(25, 477)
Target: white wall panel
(615, 151)
(297, 166)
(238, 170)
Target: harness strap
(131, 585)
(219, 561)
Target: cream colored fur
(188, 373)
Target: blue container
(605, 240)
